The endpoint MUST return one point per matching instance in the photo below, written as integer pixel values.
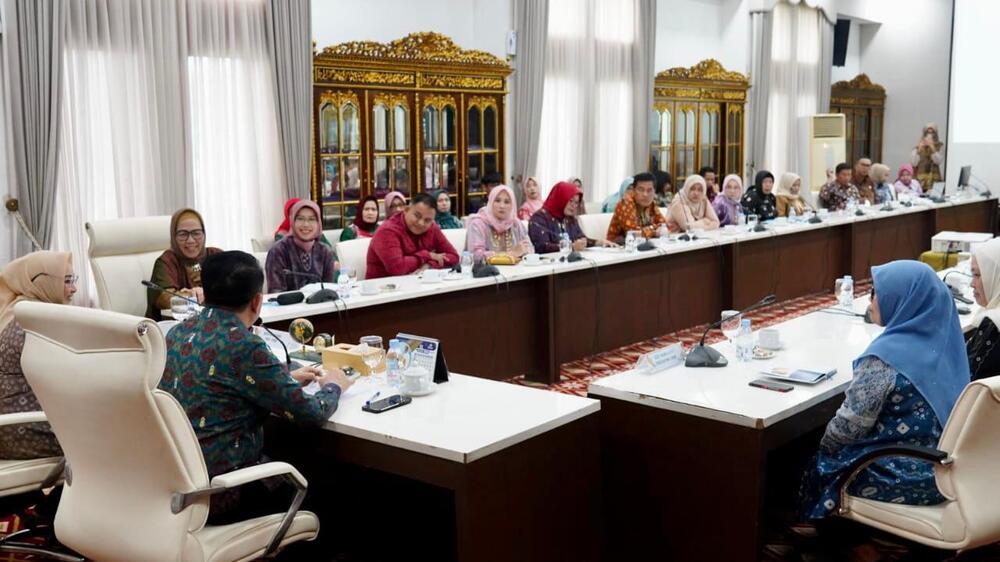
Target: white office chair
(333, 236)
(261, 244)
(965, 469)
(595, 226)
(593, 208)
(354, 254)
(457, 238)
(122, 253)
(136, 485)
(262, 260)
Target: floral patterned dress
(881, 407)
(26, 440)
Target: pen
(374, 396)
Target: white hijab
(987, 257)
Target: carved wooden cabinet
(416, 114)
(863, 104)
(698, 120)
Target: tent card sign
(660, 359)
(426, 353)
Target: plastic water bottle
(744, 341)
(852, 204)
(630, 245)
(396, 360)
(793, 217)
(343, 284)
(741, 218)
(565, 246)
(847, 292)
(467, 264)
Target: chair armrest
(862, 462)
(22, 417)
(243, 476)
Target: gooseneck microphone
(704, 356)
(171, 292)
(288, 358)
(322, 295)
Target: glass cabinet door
(339, 143)
(440, 150)
(390, 131)
(482, 148)
(687, 142)
(734, 140)
(708, 136)
(661, 138)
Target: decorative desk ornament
(301, 331)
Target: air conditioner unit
(827, 147)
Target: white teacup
(769, 338)
(369, 287)
(532, 259)
(415, 379)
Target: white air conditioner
(827, 147)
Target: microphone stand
(704, 356)
(288, 358)
(322, 295)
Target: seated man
(637, 211)
(862, 179)
(228, 381)
(409, 242)
(835, 194)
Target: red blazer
(394, 250)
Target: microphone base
(322, 295)
(574, 256)
(704, 356)
(815, 220)
(760, 228)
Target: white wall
(852, 62)
(689, 31)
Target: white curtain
(760, 86)
(167, 104)
(796, 73)
(587, 112)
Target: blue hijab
(612, 200)
(922, 338)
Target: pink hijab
(387, 202)
(305, 245)
(486, 212)
(533, 205)
(900, 173)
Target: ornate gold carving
(326, 74)
(338, 98)
(482, 101)
(859, 82)
(660, 107)
(390, 100)
(425, 46)
(467, 82)
(708, 69)
(735, 96)
(439, 101)
(844, 101)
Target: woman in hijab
(903, 390)
(558, 216)
(691, 208)
(927, 157)
(393, 203)
(906, 184)
(981, 343)
(284, 227)
(44, 277)
(664, 188)
(883, 190)
(727, 205)
(179, 268)
(365, 220)
(759, 200)
(611, 202)
(443, 217)
(494, 231)
(532, 199)
(307, 261)
(790, 195)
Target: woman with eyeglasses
(297, 260)
(44, 277)
(179, 269)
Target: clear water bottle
(744, 341)
(852, 204)
(396, 361)
(343, 283)
(741, 218)
(467, 264)
(846, 296)
(630, 245)
(565, 245)
(793, 217)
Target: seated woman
(494, 232)
(444, 218)
(532, 199)
(393, 204)
(365, 220)
(759, 200)
(611, 201)
(44, 277)
(305, 261)
(664, 188)
(727, 204)
(981, 343)
(179, 268)
(637, 211)
(691, 208)
(285, 225)
(790, 195)
(904, 387)
(906, 184)
(883, 190)
(558, 216)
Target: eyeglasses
(306, 220)
(196, 234)
(68, 280)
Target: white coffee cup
(532, 259)
(415, 379)
(769, 338)
(369, 287)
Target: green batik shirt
(228, 381)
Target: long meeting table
(532, 319)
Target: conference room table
(532, 319)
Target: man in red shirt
(409, 242)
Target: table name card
(660, 359)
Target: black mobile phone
(387, 403)
(771, 385)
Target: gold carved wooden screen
(697, 120)
(416, 114)
(863, 104)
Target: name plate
(660, 359)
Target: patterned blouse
(764, 205)
(984, 353)
(484, 242)
(544, 231)
(26, 440)
(881, 407)
(834, 196)
(320, 263)
(627, 217)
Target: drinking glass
(752, 221)
(352, 273)
(731, 323)
(371, 354)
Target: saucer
(779, 347)
(454, 276)
(535, 264)
(762, 354)
(429, 389)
